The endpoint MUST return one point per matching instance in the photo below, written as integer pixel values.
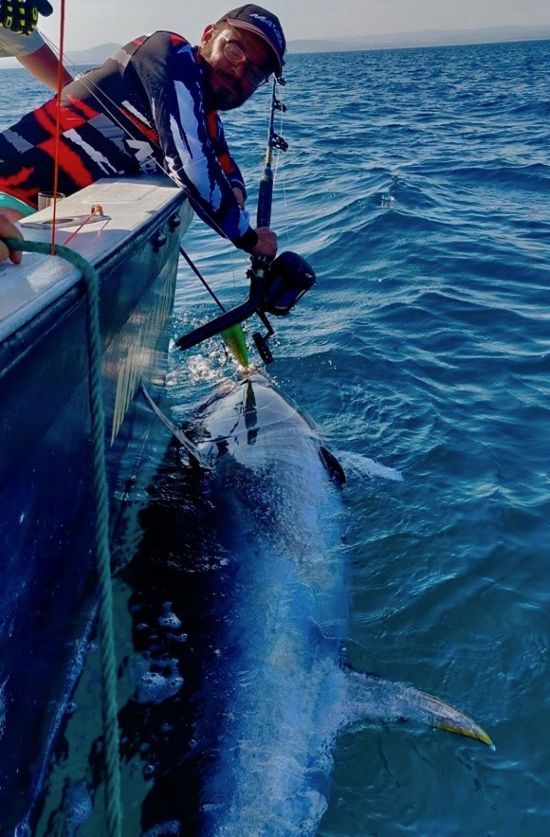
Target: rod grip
(265, 198)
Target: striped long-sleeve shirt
(144, 109)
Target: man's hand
(267, 243)
(9, 230)
(21, 16)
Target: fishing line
(57, 123)
(197, 273)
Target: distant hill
(94, 55)
(432, 37)
(91, 57)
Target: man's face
(231, 81)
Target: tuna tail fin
(372, 697)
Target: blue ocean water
(417, 184)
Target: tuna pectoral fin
(373, 697)
(335, 470)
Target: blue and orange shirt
(144, 109)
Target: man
(154, 107)
(20, 39)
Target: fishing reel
(287, 279)
(284, 282)
(275, 288)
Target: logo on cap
(275, 30)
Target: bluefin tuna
(282, 692)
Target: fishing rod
(260, 264)
(275, 285)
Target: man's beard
(220, 96)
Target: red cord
(58, 120)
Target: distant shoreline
(412, 40)
(441, 45)
(419, 40)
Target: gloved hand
(21, 16)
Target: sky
(93, 22)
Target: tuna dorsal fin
(373, 697)
(332, 465)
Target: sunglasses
(236, 55)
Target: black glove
(21, 16)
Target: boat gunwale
(70, 278)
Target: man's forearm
(44, 64)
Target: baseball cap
(264, 24)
